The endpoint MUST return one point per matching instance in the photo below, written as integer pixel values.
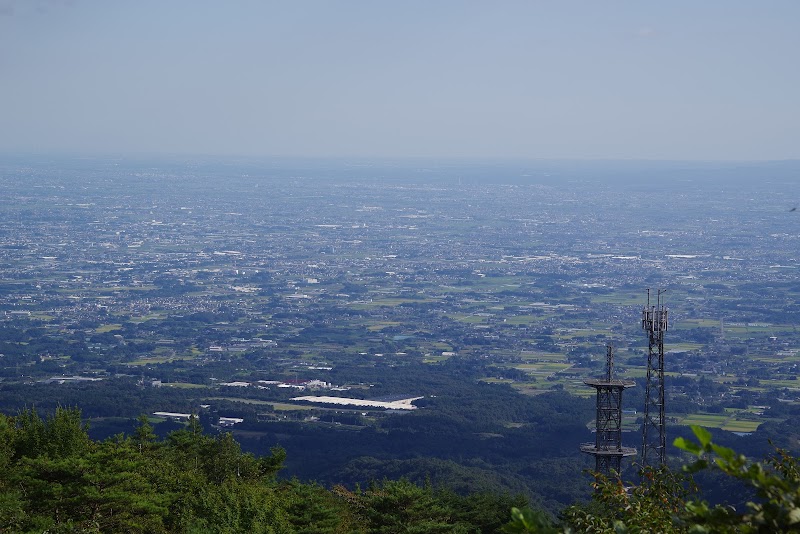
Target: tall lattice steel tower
(654, 440)
(607, 448)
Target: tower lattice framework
(654, 440)
(607, 448)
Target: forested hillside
(54, 478)
(467, 435)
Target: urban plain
(247, 292)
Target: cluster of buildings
(298, 384)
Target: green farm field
(728, 422)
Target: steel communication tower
(607, 448)
(654, 440)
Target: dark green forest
(55, 478)
(468, 436)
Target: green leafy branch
(776, 484)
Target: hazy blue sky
(533, 79)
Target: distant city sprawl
(232, 290)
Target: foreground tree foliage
(54, 478)
(776, 483)
(670, 502)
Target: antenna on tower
(607, 448)
(654, 439)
